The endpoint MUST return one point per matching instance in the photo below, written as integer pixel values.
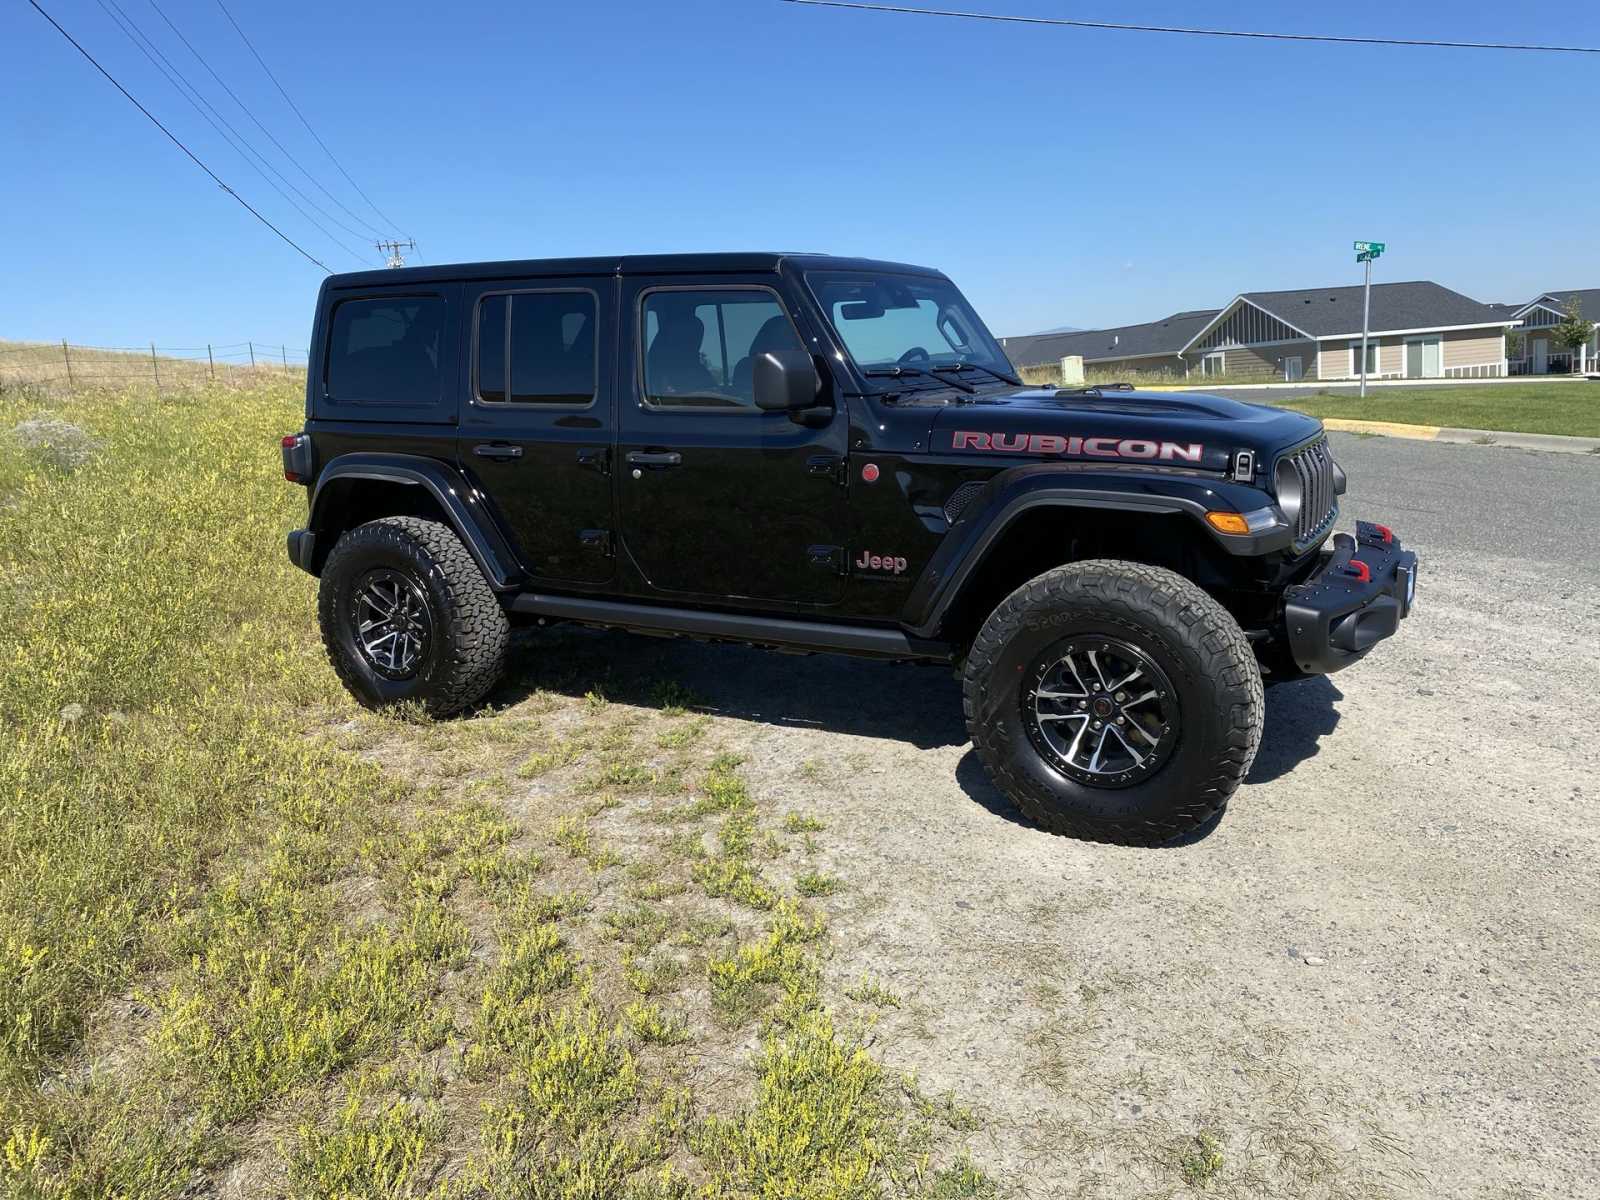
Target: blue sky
(1060, 176)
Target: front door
(1541, 356)
(717, 498)
(536, 428)
(1293, 372)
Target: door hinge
(828, 464)
(597, 540)
(826, 558)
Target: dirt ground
(1376, 975)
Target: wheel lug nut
(1121, 696)
(1097, 725)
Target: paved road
(1378, 975)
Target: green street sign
(1372, 248)
(1365, 256)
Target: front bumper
(1357, 596)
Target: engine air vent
(961, 498)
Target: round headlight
(1291, 494)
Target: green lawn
(1566, 408)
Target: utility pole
(395, 251)
(1365, 253)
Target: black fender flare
(463, 505)
(1010, 494)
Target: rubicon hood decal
(1135, 449)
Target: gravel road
(1378, 974)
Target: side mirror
(786, 381)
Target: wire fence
(68, 364)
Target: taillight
(296, 458)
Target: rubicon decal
(1094, 447)
(881, 562)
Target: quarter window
(537, 348)
(386, 351)
(701, 346)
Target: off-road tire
(1188, 634)
(465, 655)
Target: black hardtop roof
(630, 264)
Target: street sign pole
(1366, 317)
(1365, 253)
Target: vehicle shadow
(919, 705)
(1299, 716)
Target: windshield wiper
(1000, 375)
(928, 373)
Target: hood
(1181, 429)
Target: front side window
(888, 321)
(537, 348)
(386, 351)
(700, 347)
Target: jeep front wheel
(407, 615)
(1114, 701)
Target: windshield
(906, 321)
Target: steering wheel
(915, 354)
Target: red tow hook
(1361, 572)
(1385, 533)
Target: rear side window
(386, 351)
(700, 346)
(537, 347)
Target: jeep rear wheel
(407, 615)
(1114, 701)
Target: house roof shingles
(1419, 304)
(1588, 299)
(1166, 336)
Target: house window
(1372, 357)
(1214, 364)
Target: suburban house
(1540, 353)
(1150, 349)
(1417, 330)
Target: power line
(387, 220)
(211, 116)
(244, 108)
(1227, 33)
(173, 138)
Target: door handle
(654, 458)
(498, 450)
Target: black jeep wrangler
(825, 454)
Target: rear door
(718, 499)
(536, 424)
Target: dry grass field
(257, 942)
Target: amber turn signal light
(1228, 522)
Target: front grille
(1313, 463)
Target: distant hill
(1057, 329)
